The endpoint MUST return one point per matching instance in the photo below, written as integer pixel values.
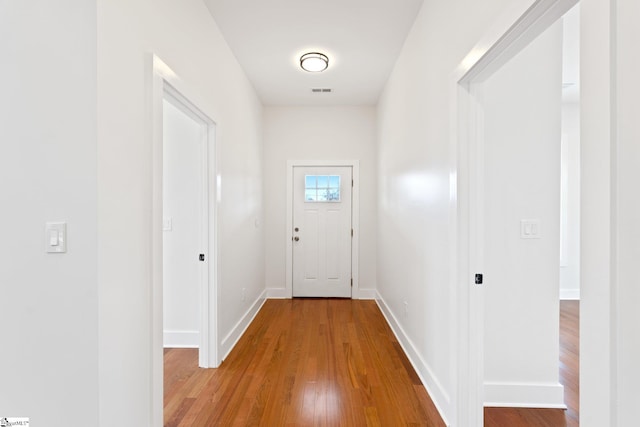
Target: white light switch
(56, 237)
(530, 229)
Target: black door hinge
(479, 279)
(201, 257)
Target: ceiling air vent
(319, 90)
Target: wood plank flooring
(302, 362)
(332, 362)
(569, 378)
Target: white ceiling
(361, 37)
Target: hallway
(302, 362)
(332, 362)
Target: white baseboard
(569, 294)
(232, 337)
(438, 394)
(368, 294)
(181, 339)
(278, 293)
(282, 293)
(524, 395)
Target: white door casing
(506, 38)
(200, 251)
(165, 82)
(322, 231)
(185, 224)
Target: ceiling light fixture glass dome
(314, 62)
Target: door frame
(186, 107)
(164, 82)
(355, 223)
(521, 24)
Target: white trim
(570, 294)
(355, 220)
(366, 294)
(277, 293)
(164, 81)
(207, 138)
(282, 293)
(524, 395)
(232, 338)
(156, 375)
(436, 391)
(181, 339)
(466, 299)
(520, 24)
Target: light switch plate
(56, 237)
(530, 229)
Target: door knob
(296, 238)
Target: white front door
(322, 231)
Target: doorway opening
(185, 227)
(184, 217)
(508, 218)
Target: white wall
(570, 157)
(627, 317)
(181, 184)
(597, 309)
(49, 128)
(49, 315)
(522, 121)
(183, 34)
(414, 185)
(570, 167)
(317, 133)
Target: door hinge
(479, 279)
(352, 232)
(201, 257)
(351, 183)
(352, 282)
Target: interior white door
(322, 231)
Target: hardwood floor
(302, 362)
(569, 378)
(332, 362)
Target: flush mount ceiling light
(314, 62)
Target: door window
(321, 188)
